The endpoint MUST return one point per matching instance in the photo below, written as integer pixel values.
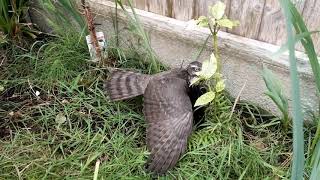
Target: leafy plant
(12, 19)
(211, 68)
(275, 92)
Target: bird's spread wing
(168, 112)
(126, 84)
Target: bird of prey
(167, 109)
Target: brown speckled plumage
(167, 110)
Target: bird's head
(192, 70)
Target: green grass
(249, 145)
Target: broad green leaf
(220, 85)
(202, 21)
(227, 23)
(61, 118)
(217, 10)
(205, 99)
(209, 67)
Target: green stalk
(214, 33)
(116, 26)
(216, 51)
(298, 150)
(316, 137)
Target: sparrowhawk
(167, 109)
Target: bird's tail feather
(126, 84)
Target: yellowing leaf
(227, 23)
(202, 21)
(61, 118)
(217, 11)
(209, 67)
(205, 99)
(194, 80)
(1, 88)
(217, 75)
(220, 86)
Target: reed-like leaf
(298, 140)
(297, 38)
(276, 93)
(300, 27)
(315, 173)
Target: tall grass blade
(298, 140)
(307, 43)
(297, 38)
(62, 15)
(315, 173)
(135, 23)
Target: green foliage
(205, 99)
(63, 15)
(276, 93)
(210, 71)
(315, 163)
(220, 85)
(137, 29)
(294, 19)
(216, 18)
(60, 59)
(302, 30)
(302, 34)
(91, 128)
(3, 39)
(12, 19)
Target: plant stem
(214, 33)
(216, 51)
(116, 26)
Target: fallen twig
(237, 99)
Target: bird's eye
(197, 68)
